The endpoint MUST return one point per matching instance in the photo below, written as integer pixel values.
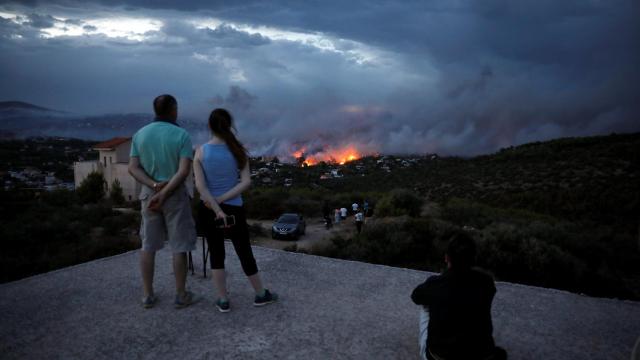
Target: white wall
(83, 168)
(117, 169)
(130, 187)
(122, 152)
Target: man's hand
(159, 186)
(157, 200)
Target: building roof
(111, 144)
(328, 309)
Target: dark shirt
(459, 305)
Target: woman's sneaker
(265, 299)
(223, 305)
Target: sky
(452, 77)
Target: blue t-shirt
(220, 171)
(160, 145)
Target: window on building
(105, 161)
(129, 197)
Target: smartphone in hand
(231, 221)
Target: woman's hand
(221, 215)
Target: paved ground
(330, 309)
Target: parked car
(288, 226)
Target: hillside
(562, 213)
(593, 178)
(21, 105)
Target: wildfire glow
(331, 155)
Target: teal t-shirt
(160, 145)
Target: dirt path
(316, 234)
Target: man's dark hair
(461, 250)
(164, 105)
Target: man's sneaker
(185, 300)
(223, 306)
(149, 301)
(265, 299)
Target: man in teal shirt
(160, 159)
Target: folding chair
(205, 250)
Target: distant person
(359, 221)
(365, 207)
(326, 213)
(343, 213)
(218, 165)
(160, 159)
(337, 216)
(459, 308)
(354, 207)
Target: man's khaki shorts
(173, 223)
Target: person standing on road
(359, 221)
(326, 213)
(222, 174)
(160, 160)
(343, 213)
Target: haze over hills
(21, 120)
(12, 105)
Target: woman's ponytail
(221, 124)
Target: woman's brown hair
(221, 124)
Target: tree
(116, 194)
(91, 190)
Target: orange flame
(332, 155)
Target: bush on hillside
(399, 202)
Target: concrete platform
(329, 309)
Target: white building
(113, 163)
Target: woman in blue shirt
(221, 169)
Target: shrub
(401, 242)
(399, 202)
(116, 194)
(91, 190)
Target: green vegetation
(116, 194)
(517, 246)
(91, 189)
(399, 202)
(562, 214)
(40, 232)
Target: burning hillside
(333, 155)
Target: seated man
(459, 306)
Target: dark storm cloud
(238, 99)
(41, 21)
(459, 77)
